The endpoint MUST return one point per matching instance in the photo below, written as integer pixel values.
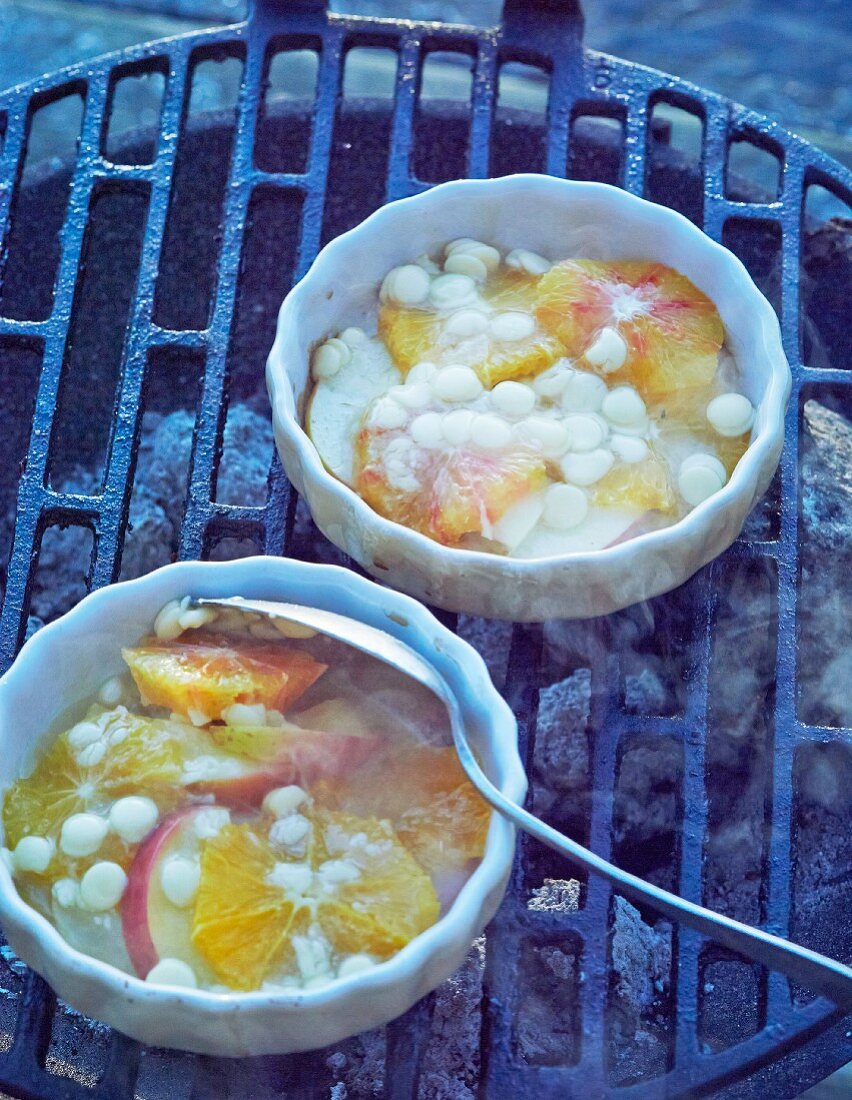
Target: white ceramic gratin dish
(558, 219)
(75, 654)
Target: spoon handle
(814, 971)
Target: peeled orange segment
(672, 330)
(681, 425)
(141, 756)
(644, 485)
(202, 678)
(447, 832)
(445, 494)
(294, 754)
(390, 902)
(416, 335)
(243, 922)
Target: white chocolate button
(549, 436)
(588, 467)
(111, 691)
(730, 414)
(102, 886)
(465, 323)
(82, 834)
(66, 893)
(451, 291)
(416, 396)
(463, 263)
(179, 878)
(33, 853)
(354, 336)
(83, 734)
(583, 392)
(513, 399)
(587, 431)
(456, 426)
(284, 800)
(329, 358)
(421, 372)
(698, 480)
(624, 407)
(173, 972)
(512, 325)
(485, 253)
(490, 432)
(92, 755)
(425, 261)
(521, 259)
(608, 352)
(552, 382)
(456, 384)
(132, 818)
(565, 506)
(427, 430)
(387, 414)
(354, 964)
(407, 285)
(629, 448)
(290, 831)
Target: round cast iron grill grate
(144, 283)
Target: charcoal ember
(646, 810)
(555, 895)
(645, 692)
(826, 275)
(247, 447)
(547, 1018)
(825, 658)
(561, 760)
(491, 638)
(63, 565)
(729, 1004)
(450, 1069)
(358, 1066)
(638, 1023)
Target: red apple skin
(304, 759)
(134, 904)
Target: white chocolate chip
(387, 415)
(588, 467)
(730, 414)
(102, 887)
(282, 801)
(587, 431)
(459, 242)
(700, 476)
(195, 617)
(179, 878)
(355, 964)
(84, 733)
(608, 351)
(583, 392)
(427, 430)
(456, 384)
(513, 398)
(407, 285)
(629, 448)
(625, 408)
(172, 972)
(66, 893)
(463, 263)
(295, 878)
(521, 259)
(490, 432)
(485, 253)
(329, 358)
(421, 372)
(198, 717)
(82, 834)
(290, 831)
(552, 382)
(210, 821)
(456, 426)
(565, 506)
(549, 436)
(465, 323)
(452, 291)
(111, 691)
(33, 853)
(354, 337)
(167, 625)
(512, 325)
(92, 755)
(244, 714)
(132, 818)
(417, 395)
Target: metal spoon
(814, 971)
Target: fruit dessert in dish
(509, 404)
(248, 808)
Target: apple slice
(153, 927)
(201, 678)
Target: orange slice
(672, 330)
(209, 674)
(243, 922)
(681, 418)
(644, 485)
(416, 335)
(391, 901)
(446, 494)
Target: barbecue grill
(682, 739)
